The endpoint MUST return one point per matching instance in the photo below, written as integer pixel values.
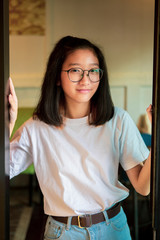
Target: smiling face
(79, 93)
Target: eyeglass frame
(83, 74)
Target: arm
(13, 106)
(139, 176)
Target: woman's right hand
(13, 101)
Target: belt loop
(68, 226)
(106, 217)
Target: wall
(124, 31)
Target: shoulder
(122, 115)
(119, 112)
(120, 120)
(30, 126)
(119, 115)
(36, 122)
(33, 130)
(35, 125)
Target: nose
(85, 79)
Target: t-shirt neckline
(76, 121)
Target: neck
(77, 110)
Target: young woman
(76, 140)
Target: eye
(75, 70)
(94, 70)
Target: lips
(84, 90)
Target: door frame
(155, 166)
(4, 132)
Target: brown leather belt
(88, 220)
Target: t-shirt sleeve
(132, 147)
(20, 152)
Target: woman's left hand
(149, 112)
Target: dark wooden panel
(4, 139)
(156, 128)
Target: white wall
(134, 98)
(27, 60)
(124, 31)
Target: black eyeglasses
(76, 74)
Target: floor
(20, 213)
(24, 218)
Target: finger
(13, 103)
(149, 111)
(12, 89)
(150, 108)
(11, 100)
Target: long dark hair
(52, 95)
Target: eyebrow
(74, 64)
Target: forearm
(144, 177)
(140, 175)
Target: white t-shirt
(77, 165)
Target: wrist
(11, 127)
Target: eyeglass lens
(76, 74)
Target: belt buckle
(79, 221)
